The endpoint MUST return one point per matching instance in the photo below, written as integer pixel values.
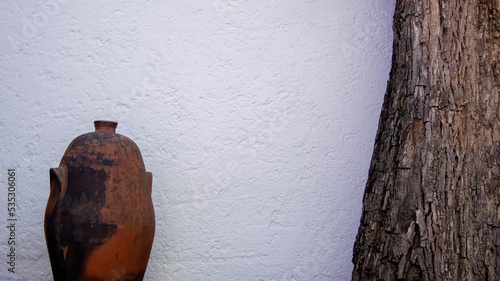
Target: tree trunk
(431, 209)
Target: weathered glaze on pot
(99, 221)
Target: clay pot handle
(150, 181)
(58, 179)
(58, 184)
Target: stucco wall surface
(257, 119)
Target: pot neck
(105, 126)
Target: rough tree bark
(431, 209)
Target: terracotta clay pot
(99, 221)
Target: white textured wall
(257, 119)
